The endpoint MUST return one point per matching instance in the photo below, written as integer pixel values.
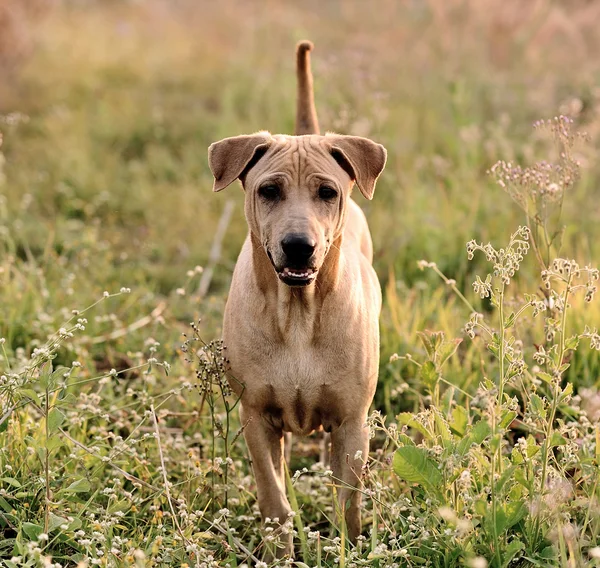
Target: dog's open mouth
(297, 276)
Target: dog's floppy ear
(362, 159)
(230, 157)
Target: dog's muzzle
(298, 267)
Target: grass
(120, 443)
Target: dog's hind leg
(349, 451)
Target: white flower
(594, 552)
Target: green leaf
(516, 456)
(441, 424)
(405, 440)
(80, 486)
(32, 395)
(513, 548)
(510, 320)
(548, 553)
(11, 481)
(515, 510)
(532, 447)
(481, 431)
(32, 530)
(67, 400)
(521, 478)
(45, 368)
(557, 440)
(408, 419)
(414, 465)
(54, 442)
(429, 376)
(459, 420)
(448, 349)
(547, 378)
(45, 373)
(481, 507)
(506, 475)
(538, 405)
(6, 506)
(494, 349)
(507, 515)
(566, 392)
(431, 341)
(477, 434)
(572, 342)
(507, 418)
(55, 521)
(55, 419)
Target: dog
(301, 321)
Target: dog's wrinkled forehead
(298, 157)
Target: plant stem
(452, 285)
(47, 462)
(501, 354)
(494, 510)
(555, 396)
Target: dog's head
(296, 190)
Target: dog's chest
(301, 384)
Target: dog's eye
(269, 192)
(327, 193)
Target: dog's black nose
(298, 248)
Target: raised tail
(306, 114)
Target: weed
(121, 447)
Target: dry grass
(106, 111)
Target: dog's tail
(306, 114)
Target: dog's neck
(297, 308)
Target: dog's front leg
(265, 442)
(349, 451)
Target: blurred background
(107, 108)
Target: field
(119, 444)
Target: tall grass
(119, 442)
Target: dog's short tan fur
(303, 357)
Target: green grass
(104, 185)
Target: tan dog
(301, 322)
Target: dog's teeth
(297, 273)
